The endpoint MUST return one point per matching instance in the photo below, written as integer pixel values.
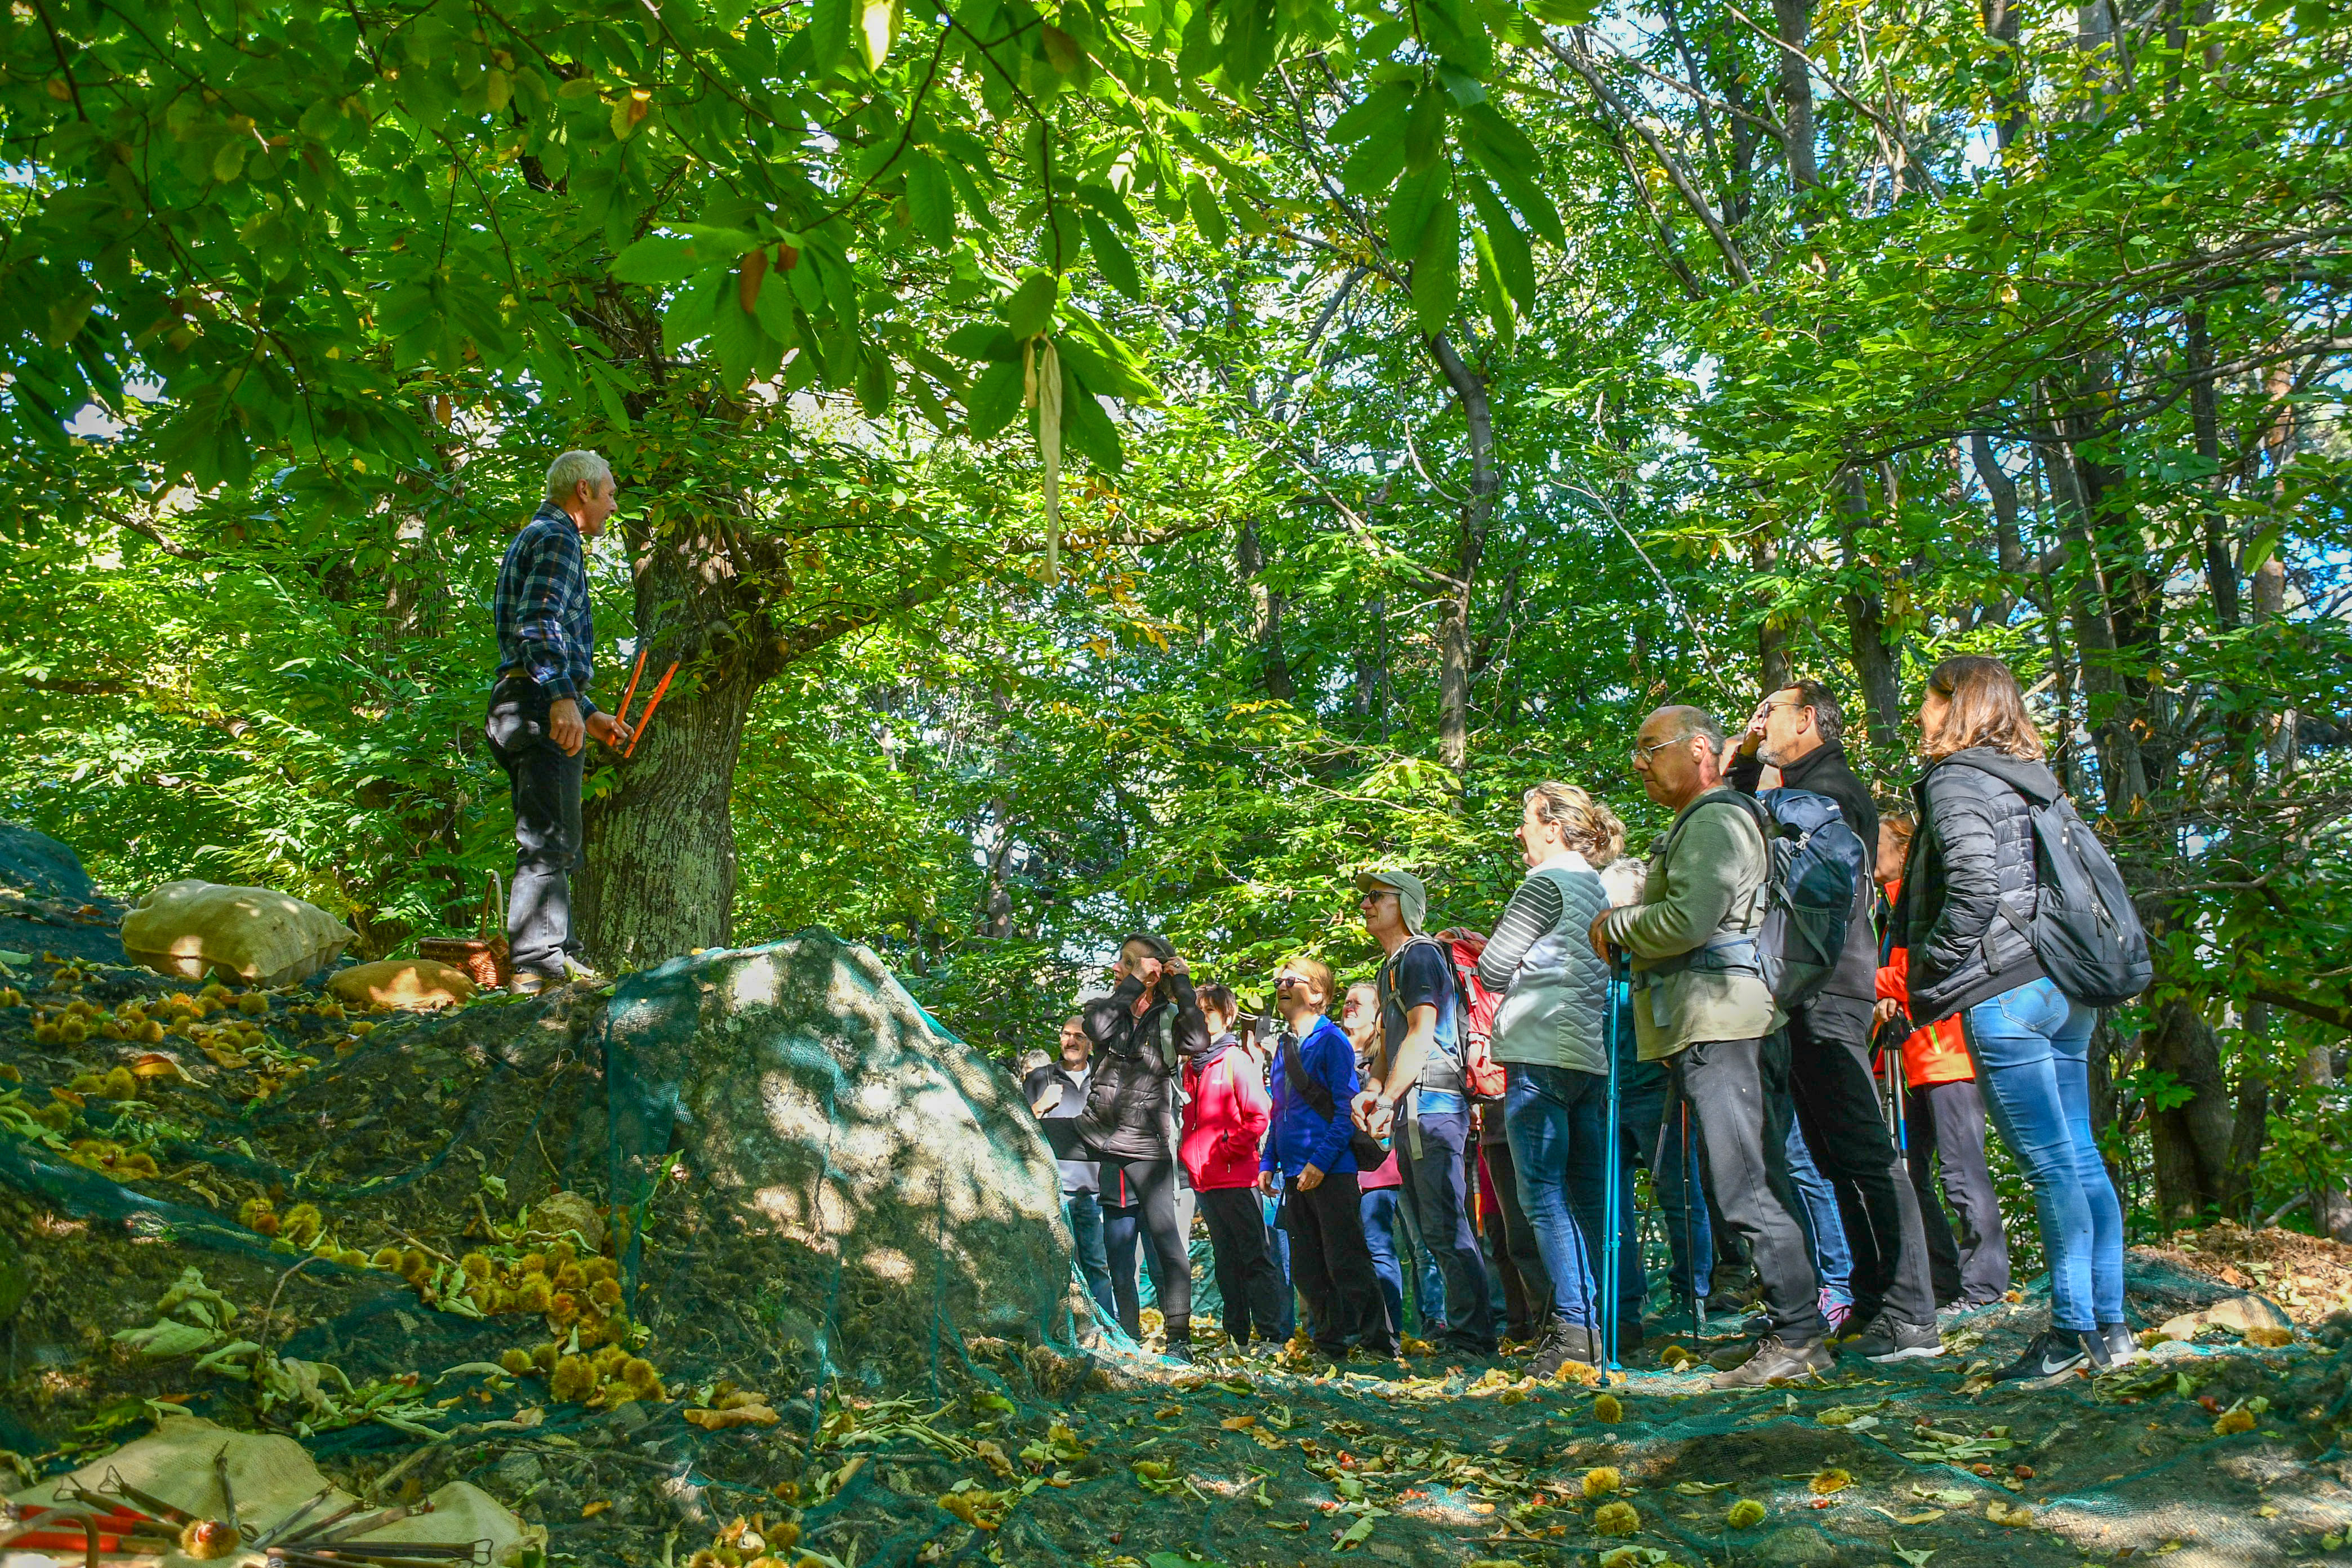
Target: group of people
(1637, 1009)
(1623, 1015)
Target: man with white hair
(540, 717)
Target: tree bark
(660, 873)
(659, 876)
(2220, 564)
(1792, 21)
(1477, 512)
(1265, 618)
(2121, 777)
(2198, 1142)
(1775, 668)
(2331, 1205)
(1865, 619)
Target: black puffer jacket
(1972, 859)
(1130, 1111)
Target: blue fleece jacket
(1298, 1138)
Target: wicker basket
(483, 957)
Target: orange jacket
(1937, 1054)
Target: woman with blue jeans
(1548, 1037)
(1967, 914)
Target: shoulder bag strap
(1306, 1087)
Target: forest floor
(2223, 1452)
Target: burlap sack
(193, 929)
(272, 1477)
(418, 984)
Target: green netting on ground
(806, 1190)
(801, 1183)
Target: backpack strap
(1313, 1090)
(1727, 950)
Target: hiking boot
(1562, 1343)
(1179, 1350)
(2055, 1352)
(532, 981)
(2123, 1345)
(1887, 1339)
(1776, 1360)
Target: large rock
(38, 867)
(882, 1188)
(802, 1184)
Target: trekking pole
(1691, 1196)
(1612, 1204)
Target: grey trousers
(1736, 1090)
(545, 787)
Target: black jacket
(1825, 771)
(1972, 859)
(1130, 1111)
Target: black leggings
(1140, 1196)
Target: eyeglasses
(1290, 980)
(1641, 754)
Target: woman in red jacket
(1944, 1114)
(1225, 1113)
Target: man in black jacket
(1798, 729)
(1142, 1032)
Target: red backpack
(1475, 1020)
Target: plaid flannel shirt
(546, 629)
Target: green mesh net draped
(802, 1183)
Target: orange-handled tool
(651, 703)
(622, 716)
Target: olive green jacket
(1707, 877)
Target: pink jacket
(1224, 1119)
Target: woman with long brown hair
(1966, 914)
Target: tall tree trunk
(1371, 662)
(2001, 25)
(2221, 562)
(1265, 616)
(1476, 513)
(1792, 22)
(660, 873)
(2202, 1164)
(659, 876)
(2331, 1204)
(2121, 774)
(1775, 668)
(1865, 619)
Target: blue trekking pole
(1613, 1213)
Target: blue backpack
(1818, 885)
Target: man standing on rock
(540, 717)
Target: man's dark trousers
(1947, 1124)
(1332, 1267)
(1743, 1153)
(1838, 1110)
(1431, 1157)
(545, 785)
(1246, 1274)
